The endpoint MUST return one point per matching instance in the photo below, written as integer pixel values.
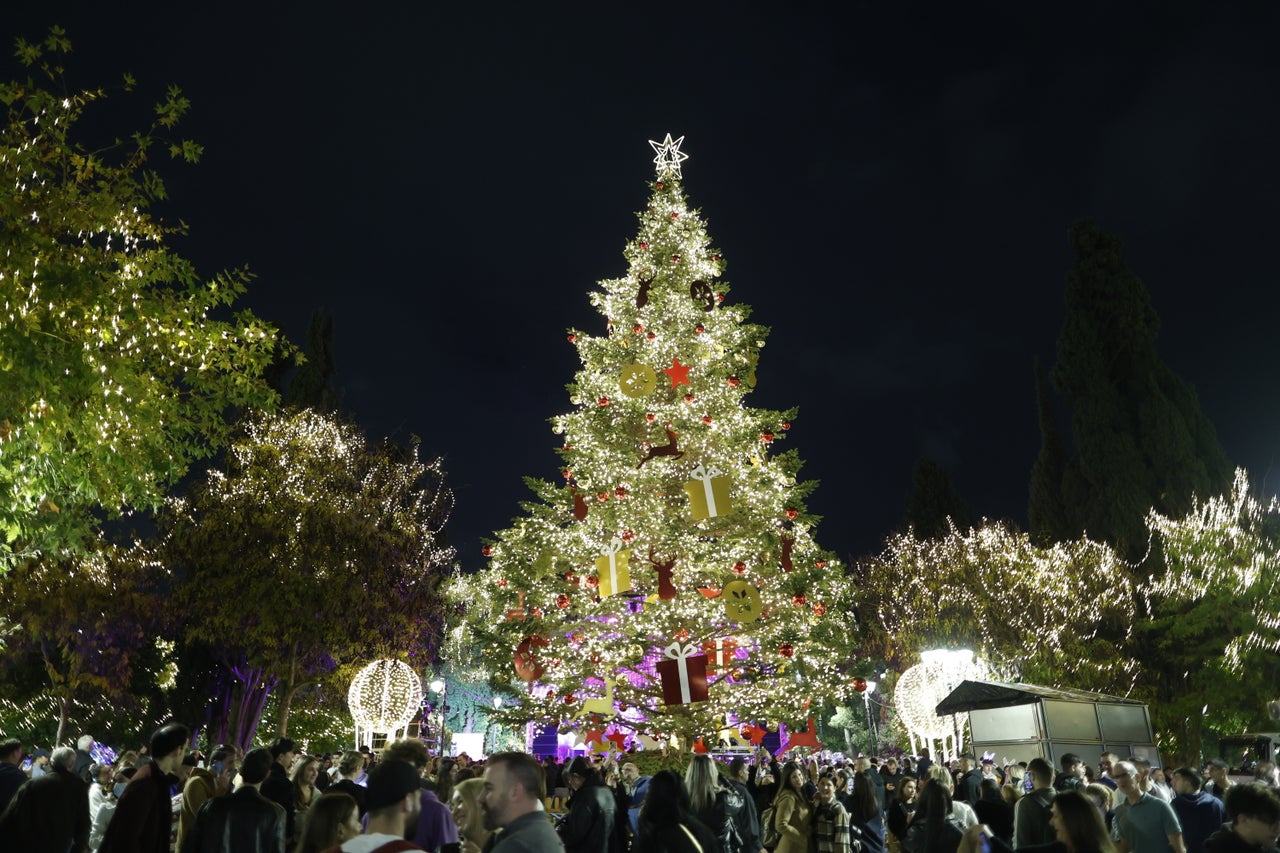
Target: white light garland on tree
(384, 698)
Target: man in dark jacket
(277, 786)
(969, 787)
(143, 820)
(243, 822)
(588, 827)
(11, 776)
(1072, 776)
(84, 759)
(1255, 822)
(1200, 813)
(1032, 814)
(748, 819)
(50, 812)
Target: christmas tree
(668, 583)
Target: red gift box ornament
(719, 653)
(684, 675)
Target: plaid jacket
(831, 828)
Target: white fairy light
(384, 697)
(669, 155)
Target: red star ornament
(595, 736)
(678, 372)
(755, 734)
(619, 740)
(699, 747)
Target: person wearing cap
(511, 802)
(588, 827)
(394, 801)
(1219, 781)
(434, 827)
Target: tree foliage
(1140, 439)
(312, 549)
(116, 367)
(934, 503)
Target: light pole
(439, 686)
(871, 726)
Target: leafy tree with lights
(116, 372)
(312, 552)
(677, 539)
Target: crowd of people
(169, 798)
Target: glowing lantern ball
(924, 685)
(385, 696)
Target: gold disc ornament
(741, 601)
(638, 380)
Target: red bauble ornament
(577, 636)
(715, 257)
(860, 684)
(766, 437)
(569, 699)
(674, 215)
(660, 185)
(637, 329)
(821, 564)
(792, 513)
(819, 609)
(567, 474)
(562, 601)
(570, 577)
(567, 447)
(786, 650)
(688, 398)
(699, 329)
(719, 297)
(799, 600)
(487, 551)
(572, 338)
(502, 584)
(682, 635)
(628, 536)
(706, 419)
(650, 417)
(739, 568)
(593, 581)
(595, 658)
(603, 401)
(675, 259)
(602, 496)
(785, 425)
(620, 492)
(733, 381)
(650, 335)
(536, 613)
(644, 246)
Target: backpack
(769, 834)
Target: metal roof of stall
(980, 695)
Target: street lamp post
(439, 686)
(871, 726)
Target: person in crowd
(50, 812)
(1199, 813)
(748, 819)
(323, 778)
(103, 776)
(923, 764)
(831, 826)
(962, 812)
(464, 808)
(1254, 811)
(332, 820)
(446, 778)
(900, 812)
(350, 768)
(1106, 763)
(278, 786)
(1103, 799)
(588, 827)
(1032, 814)
(612, 776)
(969, 788)
(864, 765)
(511, 801)
(637, 787)
(395, 798)
(242, 822)
(866, 818)
(1077, 826)
(102, 819)
(1267, 773)
(1218, 782)
(994, 811)
(11, 776)
(1146, 782)
(762, 779)
(667, 823)
(557, 792)
(719, 807)
(143, 818)
(892, 775)
(1143, 823)
(303, 778)
(434, 827)
(84, 757)
(206, 783)
(792, 812)
(1072, 776)
(934, 828)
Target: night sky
(890, 183)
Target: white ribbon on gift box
(705, 474)
(678, 654)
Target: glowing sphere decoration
(384, 697)
(923, 686)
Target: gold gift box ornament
(612, 569)
(708, 492)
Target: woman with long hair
(866, 816)
(333, 819)
(933, 828)
(304, 783)
(464, 805)
(900, 812)
(792, 814)
(714, 803)
(1078, 825)
(666, 823)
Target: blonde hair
(702, 779)
(469, 790)
(942, 776)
